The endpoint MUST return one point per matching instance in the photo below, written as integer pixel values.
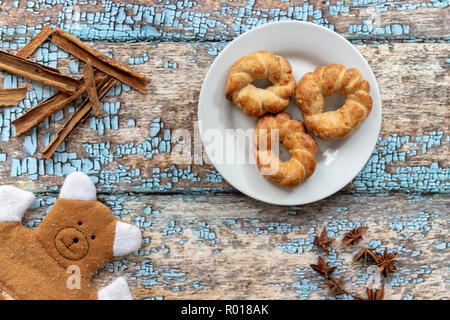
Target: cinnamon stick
(35, 42)
(50, 106)
(89, 80)
(11, 97)
(37, 72)
(76, 47)
(79, 116)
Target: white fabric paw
(127, 239)
(13, 203)
(116, 290)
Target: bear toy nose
(127, 239)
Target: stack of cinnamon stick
(100, 74)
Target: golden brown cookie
(254, 101)
(292, 135)
(326, 81)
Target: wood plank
(232, 247)
(208, 20)
(414, 110)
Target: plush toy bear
(58, 259)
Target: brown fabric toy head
(58, 259)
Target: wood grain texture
(232, 247)
(207, 20)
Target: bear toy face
(77, 232)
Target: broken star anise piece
(372, 294)
(336, 286)
(323, 268)
(367, 253)
(322, 241)
(385, 262)
(354, 235)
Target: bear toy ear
(78, 186)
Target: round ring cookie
(291, 133)
(326, 81)
(254, 101)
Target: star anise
(336, 286)
(354, 235)
(385, 262)
(323, 241)
(323, 268)
(367, 253)
(372, 294)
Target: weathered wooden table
(202, 238)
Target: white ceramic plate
(306, 46)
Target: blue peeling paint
(375, 178)
(421, 221)
(131, 123)
(30, 143)
(172, 229)
(179, 21)
(139, 60)
(205, 233)
(442, 246)
(74, 65)
(170, 65)
(304, 287)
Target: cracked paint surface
(189, 21)
(386, 171)
(142, 269)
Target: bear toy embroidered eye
(58, 259)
